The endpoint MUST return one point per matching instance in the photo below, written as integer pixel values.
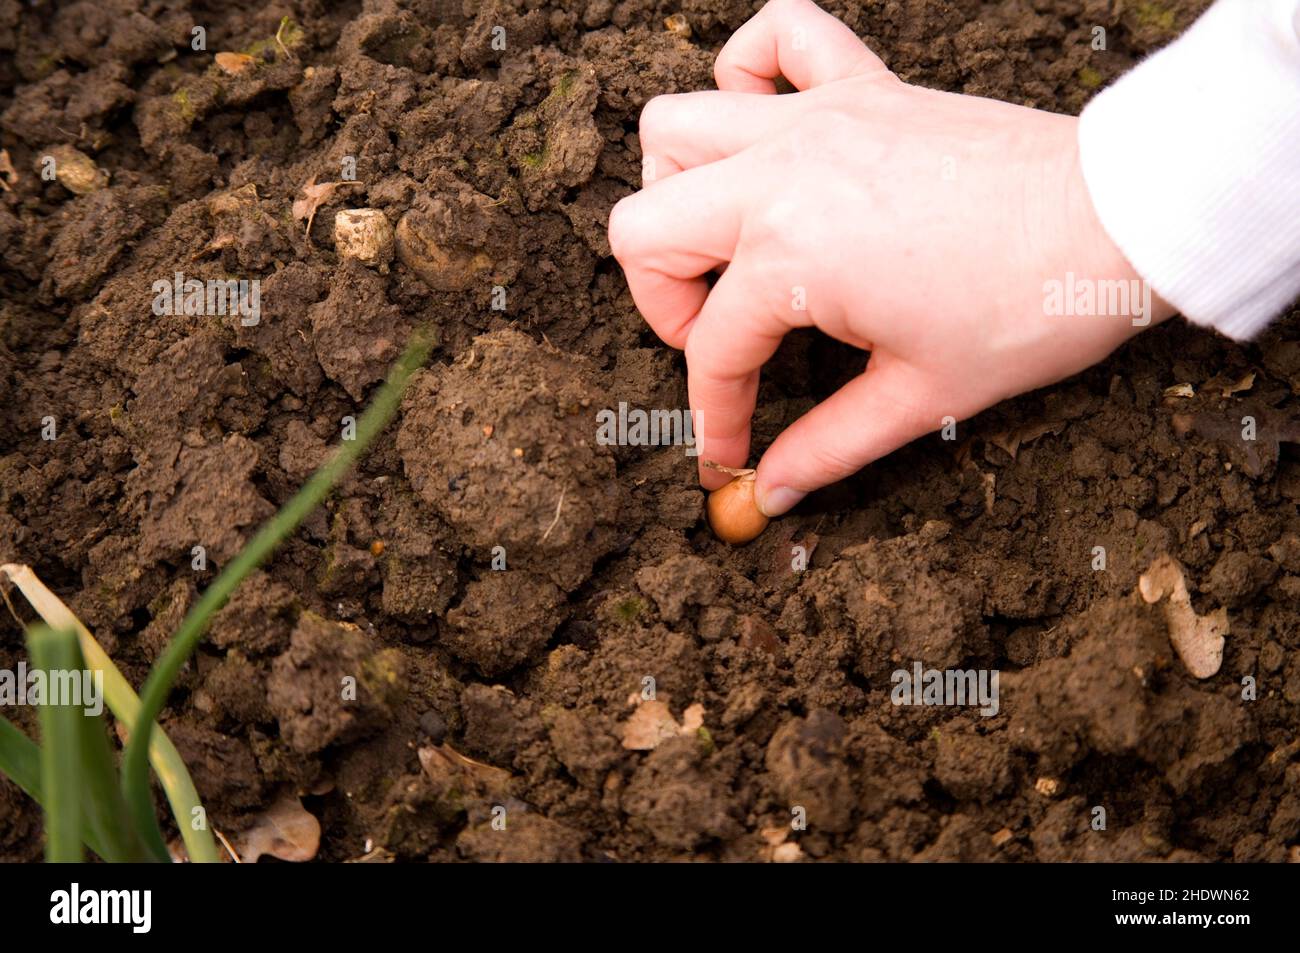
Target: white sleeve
(1192, 160)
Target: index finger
(736, 334)
(796, 39)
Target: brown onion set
(733, 512)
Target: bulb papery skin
(733, 513)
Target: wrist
(1099, 256)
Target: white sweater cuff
(1192, 160)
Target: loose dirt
(480, 690)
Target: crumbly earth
(500, 588)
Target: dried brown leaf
(287, 831)
(1006, 441)
(224, 240)
(234, 64)
(1227, 386)
(448, 769)
(652, 723)
(76, 171)
(314, 195)
(1012, 440)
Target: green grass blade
(104, 811)
(177, 784)
(103, 819)
(125, 705)
(20, 761)
(61, 767)
(135, 774)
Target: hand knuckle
(773, 222)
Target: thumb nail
(778, 500)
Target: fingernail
(778, 499)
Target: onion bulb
(733, 512)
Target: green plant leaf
(51, 652)
(104, 811)
(124, 704)
(20, 761)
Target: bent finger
(669, 237)
(686, 130)
(796, 39)
(736, 334)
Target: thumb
(870, 416)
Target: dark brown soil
(498, 169)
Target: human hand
(921, 226)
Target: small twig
(226, 844)
(557, 516)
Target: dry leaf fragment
(218, 243)
(286, 831)
(314, 196)
(1198, 639)
(1012, 440)
(233, 64)
(76, 171)
(450, 770)
(1246, 383)
(652, 723)
(1226, 386)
